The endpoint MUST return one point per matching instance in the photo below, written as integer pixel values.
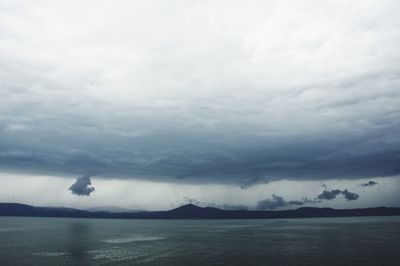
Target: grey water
(316, 241)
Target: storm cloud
(332, 194)
(82, 186)
(206, 92)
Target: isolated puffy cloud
(209, 92)
(82, 186)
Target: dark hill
(191, 211)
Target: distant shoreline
(191, 211)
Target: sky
(233, 104)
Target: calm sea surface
(320, 241)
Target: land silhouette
(191, 211)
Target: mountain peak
(194, 211)
(188, 207)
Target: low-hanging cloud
(296, 202)
(329, 195)
(349, 195)
(82, 186)
(369, 184)
(270, 204)
(332, 194)
(277, 202)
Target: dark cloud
(349, 195)
(328, 195)
(82, 186)
(332, 194)
(217, 164)
(369, 184)
(278, 202)
(270, 204)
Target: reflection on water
(323, 241)
(78, 241)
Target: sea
(308, 241)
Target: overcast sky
(225, 103)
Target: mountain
(191, 211)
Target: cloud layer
(208, 92)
